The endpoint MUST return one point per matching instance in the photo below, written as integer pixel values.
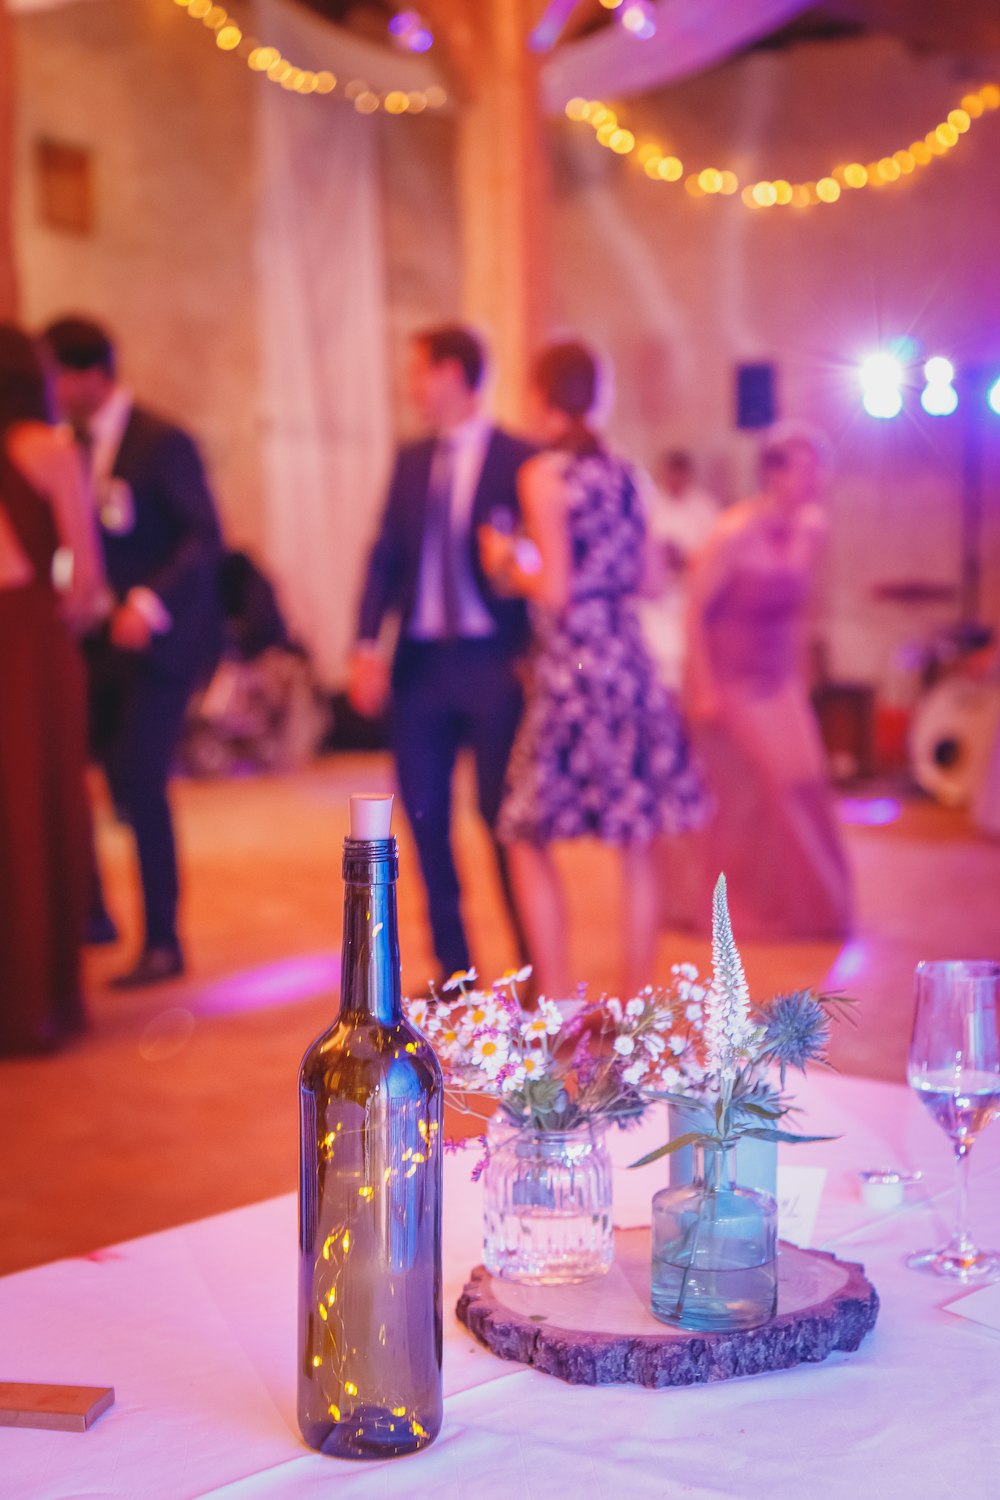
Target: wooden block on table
(67, 1408)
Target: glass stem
(962, 1237)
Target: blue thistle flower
(796, 1030)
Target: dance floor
(181, 1102)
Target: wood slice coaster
(601, 1331)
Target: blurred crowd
(624, 661)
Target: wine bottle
(370, 1093)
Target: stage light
(409, 31)
(993, 397)
(881, 378)
(939, 397)
(638, 19)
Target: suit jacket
(174, 544)
(394, 566)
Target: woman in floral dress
(601, 749)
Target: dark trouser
(447, 695)
(137, 716)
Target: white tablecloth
(195, 1329)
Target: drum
(952, 735)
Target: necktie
(440, 535)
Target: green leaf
(785, 1135)
(677, 1144)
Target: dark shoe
(99, 931)
(154, 966)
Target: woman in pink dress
(775, 833)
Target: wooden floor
(181, 1102)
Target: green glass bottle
(370, 1094)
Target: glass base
(963, 1264)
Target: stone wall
(169, 265)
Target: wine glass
(954, 1068)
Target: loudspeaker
(756, 399)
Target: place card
(69, 1408)
(799, 1192)
(982, 1306)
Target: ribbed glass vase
(547, 1204)
(715, 1249)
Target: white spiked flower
(729, 1032)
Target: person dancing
(601, 749)
(775, 833)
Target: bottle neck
(714, 1165)
(369, 976)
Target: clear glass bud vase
(547, 1204)
(715, 1249)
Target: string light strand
(781, 192)
(268, 63)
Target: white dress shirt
(468, 443)
(113, 498)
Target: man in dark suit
(162, 545)
(453, 678)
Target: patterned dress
(601, 748)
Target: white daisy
(490, 1053)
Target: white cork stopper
(371, 815)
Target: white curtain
(321, 296)
(690, 35)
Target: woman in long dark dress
(601, 750)
(45, 537)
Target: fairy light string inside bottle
(370, 1091)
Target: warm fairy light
(350, 1388)
(268, 62)
(714, 181)
(611, 4)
